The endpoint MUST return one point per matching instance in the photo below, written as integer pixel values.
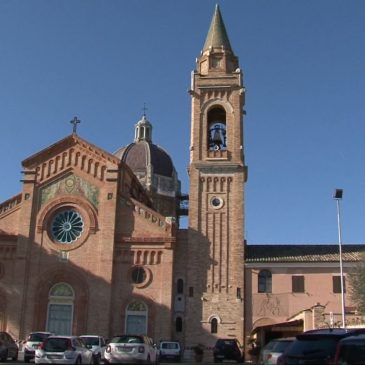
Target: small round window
(139, 275)
(216, 202)
(67, 226)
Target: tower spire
(217, 35)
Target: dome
(151, 164)
(139, 156)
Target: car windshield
(224, 343)
(127, 339)
(280, 346)
(37, 337)
(270, 345)
(91, 341)
(57, 344)
(313, 347)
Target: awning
(290, 326)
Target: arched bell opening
(217, 135)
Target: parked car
(351, 351)
(170, 350)
(8, 347)
(131, 348)
(228, 349)
(272, 350)
(33, 341)
(316, 347)
(63, 350)
(97, 345)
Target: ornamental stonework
(71, 185)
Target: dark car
(228, 349)
(8, 347)
(351, 351)
(316, 347)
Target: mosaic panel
(71, 185)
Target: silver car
(273, 349)
(97, 345)
(63, 350)
(131, 349)
(34, 340)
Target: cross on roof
(75, 122)
(144, 109)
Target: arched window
(180, 286)
(136, 318)
(178, 324)
(264, 281)
(217, 137)
(214, 325)
(60, 309)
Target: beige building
(295, 288)
(92, 243)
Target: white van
(170, 350)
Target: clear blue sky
(304, 69)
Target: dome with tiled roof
(150, 163)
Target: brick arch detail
(211, 103)
(151, 305)
(57, 203)
(76, 280)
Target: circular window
(67, 226)
(139, 275)
(216, 202)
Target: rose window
(67, 226)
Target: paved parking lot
(21, 358)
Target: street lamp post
(338, 196)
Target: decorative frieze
(140, 257)
(10, 204)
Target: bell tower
(217, 171)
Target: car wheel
(4, 357)
(97, 359)
(15, 357)
(26, 359)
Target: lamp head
(338, 194)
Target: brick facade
(92, 246)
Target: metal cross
(144, 109)
(75, 122)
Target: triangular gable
(71, 153)
(64, 144)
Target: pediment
(64, 144)
(70, 153)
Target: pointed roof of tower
(217, 34)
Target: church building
(92, 243)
